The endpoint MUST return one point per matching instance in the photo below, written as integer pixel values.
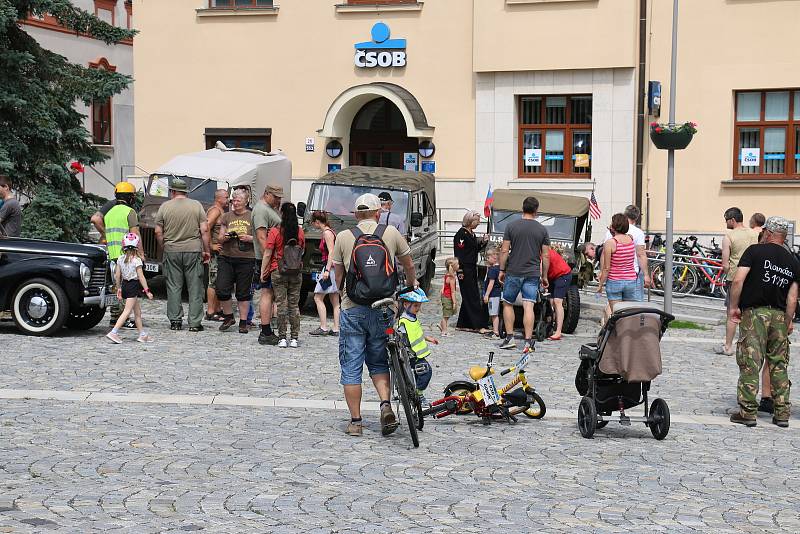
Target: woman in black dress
(466, 246)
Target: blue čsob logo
(381, 51)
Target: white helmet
(130, 241)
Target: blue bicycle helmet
(418, 295)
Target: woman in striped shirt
(618, 274)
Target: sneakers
(766, 405)
(267, 339)
(175, 325)
(354, 428)
(283, 343)
(244, 330)
(198, 328)
(333, 333)
(492, 335)
(741, 420)
(114, 337)
(783, 423)
(319, 332)
(508, 343)
(388, 420)
(293, 344)
(425, 403)
(227, 323)
(144, 339)
(130, 325)
(529, 347)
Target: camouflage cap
(178, 185)
(777, 225)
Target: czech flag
(487, 204)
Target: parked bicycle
(485, 400)
(401, 374)
(697, 269)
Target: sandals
(720, 349)
(554, 338)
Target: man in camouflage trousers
(763, 300)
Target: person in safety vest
(119, 221)
(410, 326)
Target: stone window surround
(613, 126)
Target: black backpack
(371, 275)
(292, 261)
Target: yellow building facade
(534, 94)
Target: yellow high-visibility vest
(116, 222)
(416, 337)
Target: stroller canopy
(633, 350)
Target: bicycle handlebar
(388, 301)
(505, 372)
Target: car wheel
(572, 310)
(85, 318)
(40, 307)
(430, 272)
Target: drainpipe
(641, 114)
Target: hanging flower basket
(672, 136)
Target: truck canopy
(384, 179)
(549, 203)
(234, 167)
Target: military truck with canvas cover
(564, 217)
(205, 172)
(414, 197)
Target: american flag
(594, 208)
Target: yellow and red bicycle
(485, 400)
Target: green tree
(40, 129)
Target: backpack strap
(380, 230)
(356, 231)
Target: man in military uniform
(763, 300)
(119, 220)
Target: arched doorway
(379, 137)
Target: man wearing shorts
(560, 277)
(362, 330)
(523, 257)
(265, 217)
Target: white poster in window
(533, 157)
(750, 157)
(410, 161)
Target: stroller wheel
(659, 419)
(587, 417)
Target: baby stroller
(545, 324)
(615, 373)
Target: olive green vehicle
(414, 196)
(564, 217)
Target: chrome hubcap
(37, 307)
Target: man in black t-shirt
(763, 300)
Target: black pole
(641, 114)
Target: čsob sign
(381, 51)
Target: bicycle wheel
(401, 386)
(536, 408)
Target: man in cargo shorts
(762, 300)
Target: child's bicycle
(403, 381)
(482, 397)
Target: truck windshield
(339, 199)
(560, 228)
(200, 189)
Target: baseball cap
(275, 190)
(777, 225)
(367, 202)
(385, 197)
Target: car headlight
(86, 275)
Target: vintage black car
(47, 285)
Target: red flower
(659, 130)
(76, 166)
(653, 124)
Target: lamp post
(668, 260)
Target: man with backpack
(367, 254)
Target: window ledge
(544, 1)
(765, 182)
(105, 148)
(579, 184)
(241, 12)
(375, 8)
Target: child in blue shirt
(492, 291)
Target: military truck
(205, 172)
(414, 197)
(564, 217)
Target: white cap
(367, 202)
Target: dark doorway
(378, 136)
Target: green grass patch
(688, 325)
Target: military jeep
(564, 217)
(414, 196)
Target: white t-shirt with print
(638, 240)
(128, 268)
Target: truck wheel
(572, 310)
(85, 318)
(40, 307)
(430, 272)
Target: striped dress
(622, 262)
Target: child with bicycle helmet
(411, 327)
(131, 284)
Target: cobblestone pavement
(77, 466)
